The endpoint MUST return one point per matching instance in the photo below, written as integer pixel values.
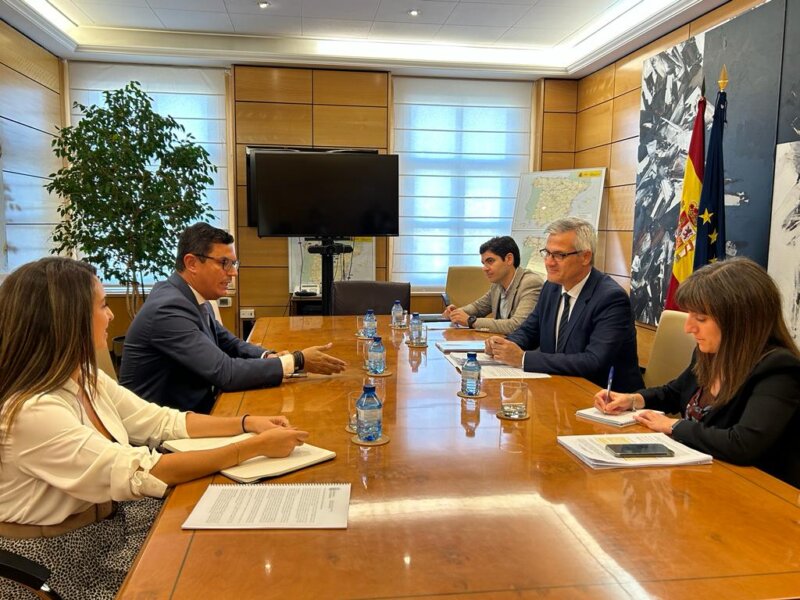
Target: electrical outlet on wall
(247, 313)
(225, 302)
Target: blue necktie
(562, 324)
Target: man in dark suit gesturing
(177, 354)
(582, 324)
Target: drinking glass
(352, 415)
(514, 399)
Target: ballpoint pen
(608, 388)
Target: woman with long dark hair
(739, 399)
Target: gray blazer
(173, 357)
(523, 293)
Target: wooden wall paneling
(265, 123)
(628, 70)
(560, 95)
(241, 166)
(271, 84)
(727, 11)
(600, 256)
(594, 126)
(380, 273)
(558, 132)
(556, 161)
(621, 203)
(625, 118)
(26, 101)
(27, 150)
(645, 334)
(381, 251)
(596, 88)
(241, 205)
(350, 126)
(261, 252)
(619, 247)
(263, 286)
(624, 157)
(351, 88)
(27, 57)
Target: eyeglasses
(227, 264)
(557, 256)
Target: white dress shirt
(55, 463)
(573, 294)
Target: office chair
(464, 285)
(355, 297)
(27, 573)
(672, 349)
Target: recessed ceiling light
(414, 12)
(263, 4)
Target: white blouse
(54, 463)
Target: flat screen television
(330, 194)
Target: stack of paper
(591, 449)
(260, 466)
(491, 368)
(272, 506)
(620, 420)
(461, 346)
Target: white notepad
(258, 467)
(621, 420)
(461, 345)
(272, 506)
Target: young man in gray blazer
(177, 354)
(511, 298)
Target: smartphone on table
(639, 450)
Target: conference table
(461, 504)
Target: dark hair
(746, 304)
(501, 246)
(197, 239)
(45, 331)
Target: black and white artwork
(784, 245)
(671, 87)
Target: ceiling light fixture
(51, 14)
(414, 12)
(263, 4)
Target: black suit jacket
(600, 333)
(759, 426)
(173, 357)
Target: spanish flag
(686, 233)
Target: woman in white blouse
(72, 440)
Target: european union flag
(710, 245)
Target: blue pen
(610, 379)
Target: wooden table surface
(462, 505)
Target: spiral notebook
(259, 467)
(272, 506)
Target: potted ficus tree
(134, 180)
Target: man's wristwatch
(471, 321)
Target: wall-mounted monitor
(326, 194)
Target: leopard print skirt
(90, 562)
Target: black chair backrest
(26, 572)
(355, 297)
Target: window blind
(462, 146)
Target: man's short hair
(585, 237)
(501, 246)
(197, 239)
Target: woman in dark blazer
(739, 399)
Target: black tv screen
(323, 194)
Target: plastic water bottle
(397, 314)
(376, 356)
(370, 415)
(471, 375)
(415, 329)
(370, 324)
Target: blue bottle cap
(370, 311)
(369, 387)
(415, 314)
(377, 338)
(472, 356)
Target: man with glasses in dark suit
(177, 354)
(583, 323)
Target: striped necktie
(562, 324)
